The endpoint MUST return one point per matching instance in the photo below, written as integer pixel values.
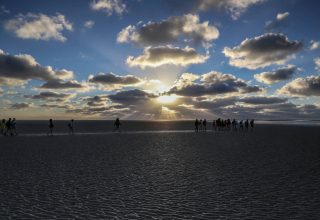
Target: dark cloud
(50, 106)
(112, 79)
(50, 96)
(131, 97)
(20, 105)
(262, 100)
(262, 51)
(170, 31)
(157, 56)
(213, 83)
(58, 84)
(276, 75)
(98, 100)
(308, 86)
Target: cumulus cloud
(275, 76)
(109, 6)
(278, 23)
(317, 63)
(113, 81)
(213, 83)
(66, 85)
(265, 50)
(131, 97)
(308, 86)
(39, 26)
(262, 100)
(19, 106)
(162, 55)
(50, 96)
(170, 31)
(88, 24)
(314, 45)
(98, 100)
(234, 7)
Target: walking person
(246, 124)
(204, 123)
(13, 127)
(71, 127)
(8, 128)
(3, 126)
(252, 124)
(51, 126)
(214, 125)
(117, 124)
(196, 125)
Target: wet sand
(270, 173)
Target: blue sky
(289, 87)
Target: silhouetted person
(196, 125)
(8, 127)
(200, 124)
(204, 123)
(51, 126)
(117, 125)
(71, 127)
(246, 124)
(14, 127)
(214, 125)
(252, 124)
(241, 124)
(3, 126)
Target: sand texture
(270, 173)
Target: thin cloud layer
(234, 7)
(278, 23)
(213, 83)
(50, 96)
(317, 63)
(308, 86)
(262, 51)
(109, 6)
(18, 106)
(114, 80)
(276, 75)
(64, 85)
(39, 26)
(169, 31)
(157, 56)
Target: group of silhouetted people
(8, 127)
(224, 124)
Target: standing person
(13, 127)
(241, 124)
(51, 126)
(3, 126)
(196, 125)
(252, 124)
(200, 124)
(204, 123)
(117, 125)
(8, 127)
(246, 124)
(70, 126)
(214, 125)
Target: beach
(160, 171)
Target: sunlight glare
(167, 98)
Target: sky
(160, 59)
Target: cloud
(265, 50)
(19, 106)
(4, 10)
(39, 26)
(162, 55)
(317, 63)
(262, 100)
(314, 45)
(234, 7)
(131, 97)
(275, 76)
(50, 96)
(170, 31)
(66, 85)
(212, 83)
(88, 24)
(98, 100)
(111, 81)
(109, 6)
(308, 86)
(278, 23)
(49, 106)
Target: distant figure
(13, 127)
(50, 125)
(196, 125)
(8, 128)
(246, 124)
(234, 124)
(3, 126)
(204, 123)
(214, 125)
(70, 126)
(200, 124)
(117, 125)
(252, 124)
(241, 124)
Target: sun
(167, 98)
